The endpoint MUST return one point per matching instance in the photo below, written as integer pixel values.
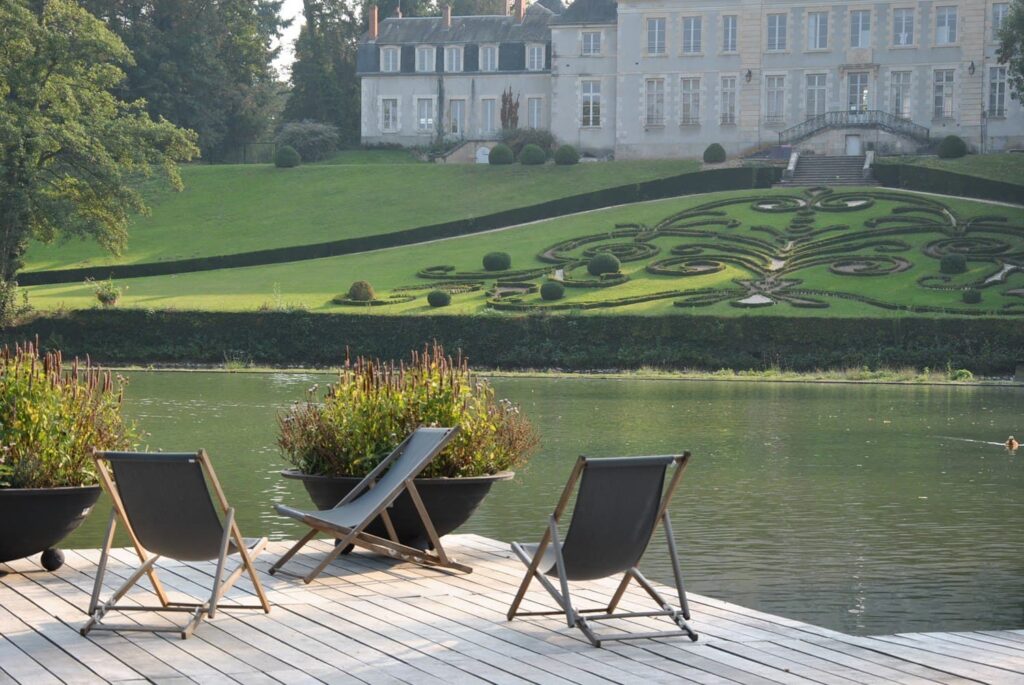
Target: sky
(291, 9)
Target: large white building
(664, 78)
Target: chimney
(520, 10)
(374, 24)
(447, 16)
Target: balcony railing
(871, 118)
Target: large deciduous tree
(1011, 47)
(69, 148)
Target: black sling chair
(163, 501)
(619, 504)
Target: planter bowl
(450, 502)
(33, 520)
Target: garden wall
(929, 180)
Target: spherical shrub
(603, 263)
(952, 147)
(566, 155)
(501, 154)
(972, 296)
(953, 264)
(532, 155)
(361, 291)
(714, 154)
(311, 139)
(497, 261)
(286, 157)
(439, 298)
(552, 290)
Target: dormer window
(425, 58)
(535, 58)
(488, 58)
(453, 58)
(390, 60)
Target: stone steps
(821, 170)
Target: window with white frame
(656, 36)
(997, 91)
(390, 60)
(728, 100)
(425, 58)
(860, 29)
(654, 89)
(816, 92)
(457, 117)
(389, 115)
(453, 58)
(999, 12)
(535, 112)
(857, 91)
(945, 25)
(943, 94)
(689, 101)
(817, 30)
(775, 98)
(488, 115)
(591, 43)
(535, 57)
(776, 32)
(590, 95)
(899, 89)
(903, 26)
(488, 58)
(730, 23)
(424, 115)
(691, 35)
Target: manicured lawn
(360, 156)
(237, 208)
(312, 284)
(1005, 166)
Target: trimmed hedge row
(983, 345)
(929, 180)
(739, 178)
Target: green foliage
(375, 404)
(714, 154)
(497, 261)
(552, 290)
(439, 298)
(518, 138)
(312, 140)
(500, 154)
(1011, 47)
(952, 147)
(361, 291)
(106, 292)
(972, 296)
(11, 310)
(51, 419)
(960, 375)
(286, 157)
(566, 155)
(603, 263)
(532, 155)
(953, 264)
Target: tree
(1011, 47)
(509, 110)
(477, 7)
(70, 148)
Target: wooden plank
(939, 645)
(20, 666)
(874, 670)
(49, 656)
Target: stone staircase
(822, 170)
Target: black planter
(33, 520)
(450, 502)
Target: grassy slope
(1007, 167)
(311, 284)
(226, 209)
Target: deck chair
(619, 504)
(164, 502)
(371, 498)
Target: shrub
(961, 375)
(497, 261)
(439, 298)
(566, 155)
(552, 290)
(311, 139)
(375, 404)
(953, 264)
(106, 292)
(972, 296)
(952, 147)
(286, 157)
(52, 418)
(361, 291)
(603, 263)
(519, 138)
(532, 155)
(714, 154)
(501, 154)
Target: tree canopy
(1011, 47)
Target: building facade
(664, 78)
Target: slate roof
(480, 29)
(589, 12)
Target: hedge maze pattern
(840, 230)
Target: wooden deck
(371, 620)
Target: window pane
(903, 27)
(656, 36)
(729, 33)
(691, 34)
(728, 100)
(817, 30)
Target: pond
(864, 508)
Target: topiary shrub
(952, 147)
(311, 139)
(361, 291)
(566, 155)
(500, 154)
(603, 263)
(286, 157)
(532, 155)
(714, 154)
(972, 296)
(497, 261)
(953, 264)
(552, 290)
(518, 138)
(439, 298)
